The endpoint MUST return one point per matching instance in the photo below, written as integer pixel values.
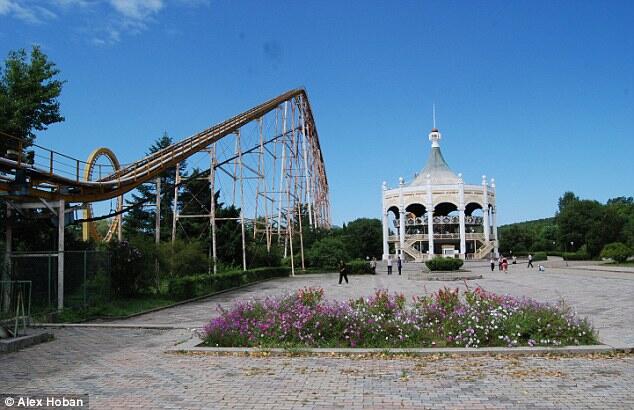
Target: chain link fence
(87, 276)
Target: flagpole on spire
(434, 113)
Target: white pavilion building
(438, 214)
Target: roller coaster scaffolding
(266, 160)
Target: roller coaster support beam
(60, 255)
(6, 275)
(157, 229)
(212, 207)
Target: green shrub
(359, 267)
(442, 264)
(258, 255)
(617, 251)
(576, 256)
(126, 269)
(183, 258)
(540, 256)
(187, 287)
(555, 253)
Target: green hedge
(444, 264)
(573, 256)
(359, 267)
(540, 256)
(187, 287)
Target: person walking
(343, 271)
(505, 265)
(399, 264)
(389, 265)
(492, 264)
(500, 258)
(530, 261)
(373, 265)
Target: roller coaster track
(44, 180)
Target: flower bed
(447, 318)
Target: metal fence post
(85, 267)
(49, 281)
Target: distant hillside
(536, 223)
(539, 234)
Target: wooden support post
(212, 210)
(157, 232)
(175, 217)
(60, 255)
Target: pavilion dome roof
(436, 166)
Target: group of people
(503, 264)
(343, 268)
(399, 265)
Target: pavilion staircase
(485, 250)
(417, 255)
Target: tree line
(580, 226)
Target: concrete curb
(192, 346)
(17, 343)
(110, 326)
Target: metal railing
(15, 306)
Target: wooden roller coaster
(269, 156)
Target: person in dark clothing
(492, 264)
(343, 271)
(399, 264)
(530, 261)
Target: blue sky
(539, 95)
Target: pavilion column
(401, 230)
(485, 210)
(463, 241)
(430, 230)
(461, 209)
(495, 230)
(430, 218)
(494, 220)
(386, 248)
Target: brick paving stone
(128, 368)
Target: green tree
(605, 230)
(327, 252)
(363, 238)
(575, 220)
(515, 238)
(28, 97)
(142, 220)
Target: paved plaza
(128, 368)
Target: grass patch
(114, 308)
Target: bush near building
(444, 264)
